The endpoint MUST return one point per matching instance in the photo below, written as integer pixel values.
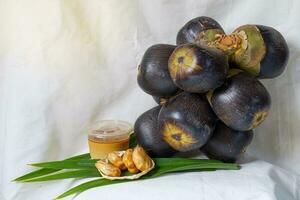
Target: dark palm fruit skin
(242, 103)
(153, 74)
(191, 31)
(146, 130)
(186, 122)
(277, 53)
(198, 69)
(227, 144)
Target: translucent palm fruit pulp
(207, 89)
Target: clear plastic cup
(106, 136)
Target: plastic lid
(110, 130)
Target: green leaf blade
(80, 157)
(70, 164)
(67, 175)
(90, 164)
(178, 165)
(88, 185)
(195, 167)
(34, 174)
(183, 161)
(46, 171)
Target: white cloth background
(64, 64)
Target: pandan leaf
(178, 165)
(80, 157)
(88, 185)
(42, 172)
(34, 174)
(67, 174)
(170, 161)
(70, 164)
(90, 164)
(194, 167)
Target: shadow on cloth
(286, 186)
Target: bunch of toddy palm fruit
(207, 89)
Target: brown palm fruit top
(198, 69)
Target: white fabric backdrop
(64, 64)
